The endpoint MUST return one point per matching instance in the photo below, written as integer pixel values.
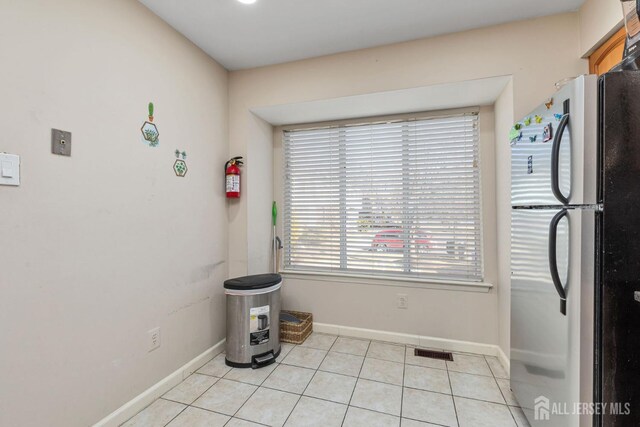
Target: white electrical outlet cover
(154, 339)
(403, 301)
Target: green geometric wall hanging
(150, 133)
(180, 166)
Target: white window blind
(397, 198)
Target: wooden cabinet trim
(614, 42)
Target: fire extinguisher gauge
(234, 161)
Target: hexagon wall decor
(150, 133)
(180, 166)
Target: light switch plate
(9, 169)
(60, 142)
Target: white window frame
(488, 222)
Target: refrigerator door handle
(555, 159)
(553, 262)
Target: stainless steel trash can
(253, 320)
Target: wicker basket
(296, 333)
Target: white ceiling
(275, 31)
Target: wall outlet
(153, 339)
(403, 301)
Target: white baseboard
(506, 363)
(417, 340)
(148, 396)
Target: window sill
(403, 282)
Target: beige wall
(100, 247)
(537, 53)
(103, 246)
(599, 19)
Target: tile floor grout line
(353, 339)
(455, 409)
(502, 393)
(452, 395)
(376, 411)
(404, 370)
(491, 369)
(245, 401)
(357, 378)
(307, 386)
(356, 384)
(209, 410)
(136, 414)
(256, 390)
(318, 398)
(292, 409)
(383, 360)
(316, 370)
(512, 416)
(177, 415)
(269, 376)
(396, 385)
(200, 395)
(495, 380)
(257, 422)
(250, 396)
(413, 419)
(249, 421)
(469, 373)
(355, 406)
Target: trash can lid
(257, 281)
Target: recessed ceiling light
(247, 1)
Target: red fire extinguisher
(232, 177)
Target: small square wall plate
(61, 142)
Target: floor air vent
(440, 355)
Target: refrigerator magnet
(547, 135)
(513, 135)
(549, 104)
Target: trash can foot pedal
(263, 359)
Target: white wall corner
(504, 360)
(148, 396)
(599, 20)
(504, 119)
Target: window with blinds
(397, 198)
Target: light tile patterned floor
(343, 382)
